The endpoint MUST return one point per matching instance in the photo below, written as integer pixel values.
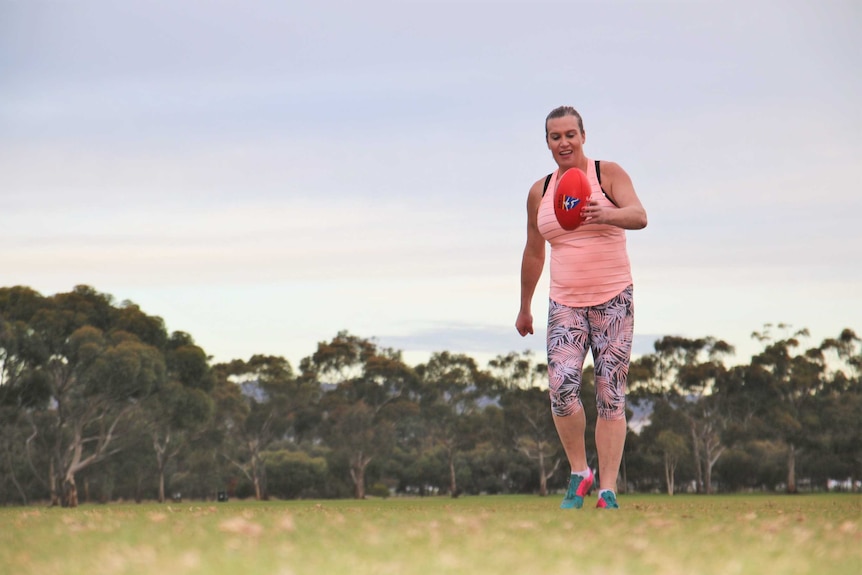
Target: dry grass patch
(500, 534)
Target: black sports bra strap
(599, 178)
(547, 181)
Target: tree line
(99, 402)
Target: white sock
(585, 473)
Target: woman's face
(565, 140)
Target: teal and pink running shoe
(607, 500)
(579, 487)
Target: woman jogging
(590, 307)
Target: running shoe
(608, 500)
(579, 487)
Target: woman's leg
(568, 342)
(612, 329)
(610, 441)
(571, 430)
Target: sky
(263, 175)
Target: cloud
(483, 340)
(264, 176)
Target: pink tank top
(589, 265)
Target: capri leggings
(607, 330)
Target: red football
(572, 195)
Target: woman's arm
(629, 213)
(532, 262)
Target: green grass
(503, 535)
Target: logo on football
(569, 203)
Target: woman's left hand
(595, 213)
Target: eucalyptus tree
(658, 373)
(518, 370)
(531, 429)
(673, 448)
(369, 389)
(848, 349)
(666, 441)
(98, 377)
(23, 390)
(91, 366)
(707, 415)
(257, 402)
(784, 382)
(15, 477)
(837, 424)
(526, 416)
(454, 391)
(684, 373)
(395, 398)
(179, 412)
(754, 459)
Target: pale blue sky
(265, 174)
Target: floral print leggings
(607, 330)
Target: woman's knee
(612, 412)
(565, 406)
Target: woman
(590, 304)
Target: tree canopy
(98, 401)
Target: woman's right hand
(524, 323)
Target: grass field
(504, 535)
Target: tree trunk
(622, 478)
(669, 469)
(52, 483)
(161, 462)
(543, 481)
(70, 491)
(710, 458)
(161, 485)
(453, 486)
(359, 485)
(258, 492)
(21, 492)
(139, 491)
(707, 477)
(535, 450)
(357, 474)
(791, 469)
(258, 472)
(696, 451)
(77, 462)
